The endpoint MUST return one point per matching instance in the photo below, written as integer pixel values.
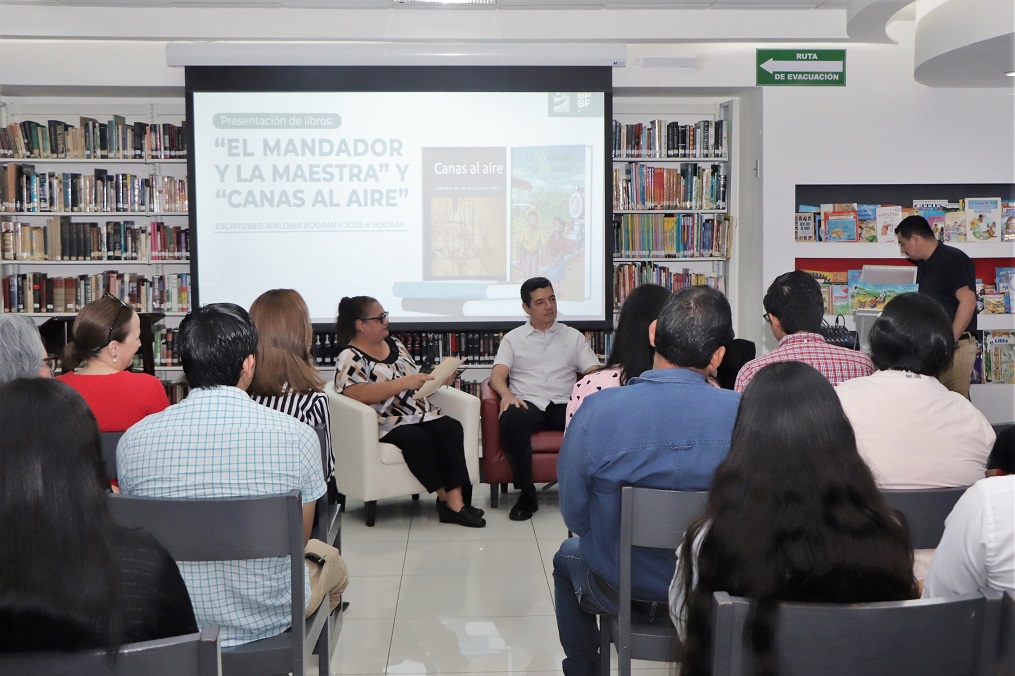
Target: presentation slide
(438, 204)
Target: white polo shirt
(543, 364)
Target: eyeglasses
(766, 318)
(116, 321)
(383, 317)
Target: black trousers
(517, 425)
(434, 452)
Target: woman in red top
(106, 334)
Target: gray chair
(109, 441)
(1004, 665)
(225, 529)
(943, 636)
(925, 511)
(655, 518)
(190, 655)
(328, 513)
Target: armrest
(464, 408)
(490, 415)
(353, 439)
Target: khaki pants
(331, 579)
(956, 378)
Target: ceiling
(488, 5)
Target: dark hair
(914, 334)
(52, 495)
(793, 514)
(693, 323)
(533, 284)
(351, 309)
(284, 339)
(97, 324)
(795, 298)
(632, 351)
(214, 342)
(914, 225)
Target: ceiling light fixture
(1010, 73)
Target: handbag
(838, 334)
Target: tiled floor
(428, 598)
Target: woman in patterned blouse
(376, 369)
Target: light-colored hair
(21, 351)
(285, 336)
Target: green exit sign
(802, 67)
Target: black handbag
(838, 334)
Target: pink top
(589, 385)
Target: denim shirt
(667, 429)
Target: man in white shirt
(977, 549)
(542, 358)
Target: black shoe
(526, 506)
(474, 510)
(463, 518)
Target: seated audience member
(533, 373)
(71, 578)
(977, 549)
(794, 310)
(794, 514)
(285, 378)
(377, 370)
(22, 354)
(105, 336)
(632, 353)
(1002, 458)
(217, 443)
(668, 428)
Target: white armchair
(368, 470)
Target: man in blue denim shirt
(668, 428)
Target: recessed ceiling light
(444, 2)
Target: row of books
(629, 276)
(23, 189)
(163, 348)
(973, 219)
(38, 292)
(659, 138)
(672, 236)
(689, 186)
(90, 139)
(63, 239)
(995, 359)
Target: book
(983, 218)
(999, 357)
(868, 296)
(1008, 221)
(888, 217)
(1004, 281)
(805, 230)
(840, 225)
(955, 226)
(936, 220)
(867, 222)
(841, 304)
(930, 205)
(993, 303)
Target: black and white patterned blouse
(355, 367)
(310, 408)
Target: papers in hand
(448, 366)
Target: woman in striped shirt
(285, 378)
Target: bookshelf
(672, 189)
(843, 256)
(93, 200)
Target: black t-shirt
(946, 271)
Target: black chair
(328, 513)
(109, 441)
(1004, 665)
(190, 655)
(654, 518)
(226, 529)
(942, 636)
(925, 510)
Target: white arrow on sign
(773, 66)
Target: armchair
(368, 470)
(496, 471)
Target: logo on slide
(561, 102)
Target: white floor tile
(462, 557)
(372, 597)
(369, 559)
(547, 522)
(426, 528)
(475, 645)
(437, 596)
(363, 647)
(391, 526)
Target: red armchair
(494, 464)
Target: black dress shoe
(474, 510)
(524, 508)
(463, 518)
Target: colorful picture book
(999, 357)
(1008, 221)
(841, 225)
(867, 222)
(868, 296)
(805, 228)
(888, 217)
(983, 218)
(1004, 282)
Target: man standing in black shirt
(947, 275)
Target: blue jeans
(578, 629)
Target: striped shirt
(217, 443)
(310, 408)
(838, 364)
